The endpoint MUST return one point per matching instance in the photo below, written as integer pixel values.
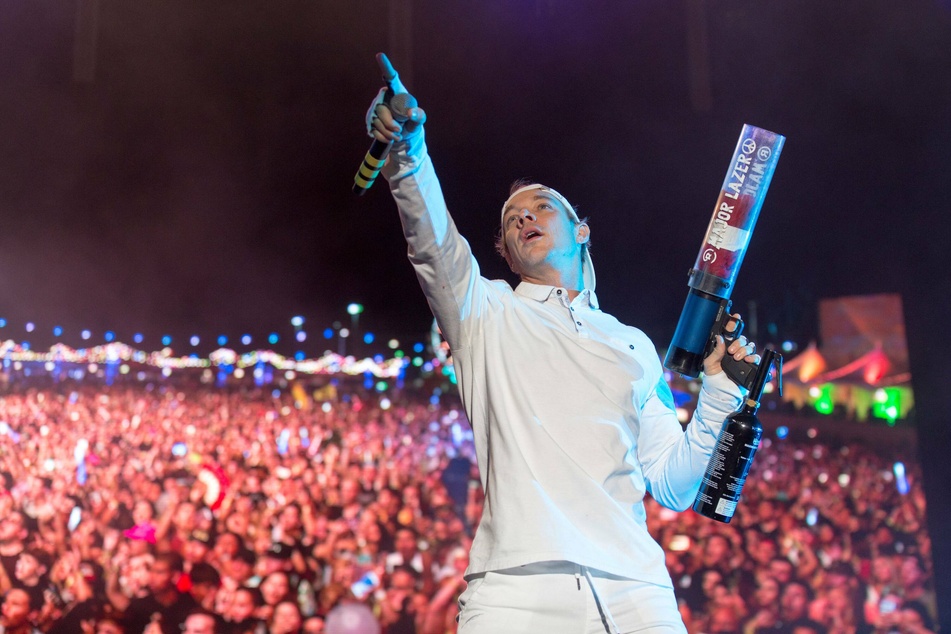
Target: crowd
(130, 509)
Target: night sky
(200, 182)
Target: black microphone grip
(375, 157)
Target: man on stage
(572, 418)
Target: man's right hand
(383, 126)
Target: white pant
(564, 598)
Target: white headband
(587, 268)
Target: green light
(824, 403)
(354, 309)
(887, 404)
(399, 354)
(417, 361)
(381, 386)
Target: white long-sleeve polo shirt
(572, 418)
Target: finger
(389, 73)
(735, 319)
(417, 115)
(720, 346)
(381, 133)
(385, 117)
(744, 353)
(390, 76)
(739, 343)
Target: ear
(582, 233)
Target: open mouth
(530, 234)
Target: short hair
(204, 612)
(256, 597)
(246, 555)
(205, 574)
(502, 249)
(796, 581)
(174, 561)
(42, 557)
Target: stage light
(418, 347)
(194, 340)
(273, 338)
(301, 336)
(368, 338)
(246, 340)
(344, 333)
(328, 333)
(824, 403)
(393, 344)
(166, 340)
(85, 334)
(354, 309)
(887, 404)
(901, 480)
(30, 326)
(297, 321)
(57, 331)
(222, 340)
(137, 337)
(782, 432)
(109, 336)
(3, 323)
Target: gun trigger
(739, 327)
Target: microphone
(375, 158)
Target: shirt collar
(541, 293)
